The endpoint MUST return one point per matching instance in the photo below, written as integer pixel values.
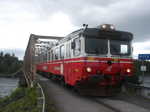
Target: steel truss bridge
(35, 53)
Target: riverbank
(21, 100)
(25, 100)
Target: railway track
(77, 103)
(106, 105)
(133, 99)
(119, 105)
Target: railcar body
(95, 61)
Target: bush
(21, 100)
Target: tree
(1, 54)
(9, 63)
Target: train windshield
(96, 46)
(118, 47)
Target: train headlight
(88, 69)
(112, 27)
(107, 27)
(128, 70)
(104, 26)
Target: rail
(42, 98)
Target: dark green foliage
(137, 72)
(9, 63)
(22, 100)
(137, 65)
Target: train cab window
(77, 47)
(96, 46)
(119, 47)
(62, 52)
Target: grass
(21, 100)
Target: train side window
(77, 49)
(50, 55)
(53, 55)
(62, 52)
(68, 54)
(56, 54)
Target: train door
(75, 63)
(62, 57)
(67, 67)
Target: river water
(7, 85)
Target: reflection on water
(7, 85)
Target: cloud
(129, 15)
(141, 48)
(19, 18)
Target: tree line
(137, 71)
(9, 63)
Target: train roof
(99, 33)
(110, 34)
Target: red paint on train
(109, 69)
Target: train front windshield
(96, 46)
(100, 47)
(119, 47)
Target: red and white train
(95, 61)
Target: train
(94, 61)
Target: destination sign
(144, 56)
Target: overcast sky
(20, 18)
